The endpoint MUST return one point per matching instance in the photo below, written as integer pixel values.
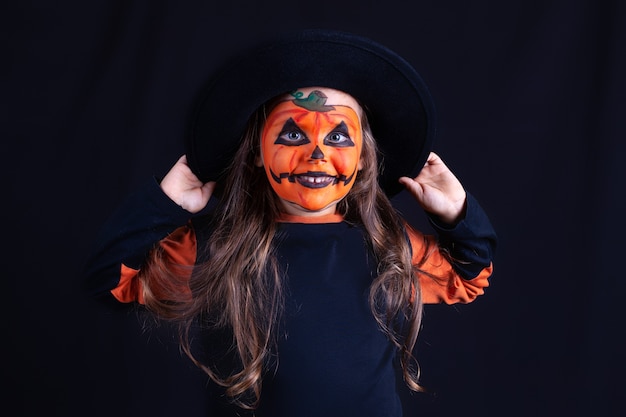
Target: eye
(336, 137)
(338, 140)
(291, 138)
(339, 137)
(291, 135)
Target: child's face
(311, 149)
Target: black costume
(332, 357)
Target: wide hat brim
(397, 102)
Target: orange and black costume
(333, 359)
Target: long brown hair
(239, 286)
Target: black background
(530, 98)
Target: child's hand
(437, 190)
(185, 189)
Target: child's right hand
(185, 189)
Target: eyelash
(343, 137)
(292, 136)
(285, 139)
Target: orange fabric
(130, 287)
(179, 249)
(445, 285)
(180, 246)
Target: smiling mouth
(312, 179)
(315, 180)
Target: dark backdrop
(530, 97)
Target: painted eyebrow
(289, 126)
(342, 128)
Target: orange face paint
(311, 151)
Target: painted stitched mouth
(312, 179)
(315, 180)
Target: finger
(182, 160)
(411, 185)
(208, 187)
(408, 182)
(433, 159)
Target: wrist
(455, 214)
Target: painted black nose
(317, 153)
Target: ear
(360, 165)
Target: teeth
(316, 180)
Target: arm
(456, 267)
(146, 218)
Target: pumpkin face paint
(311, 151)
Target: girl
(302, 262)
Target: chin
(318, 205)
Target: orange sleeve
(179, 248)
(439, 282)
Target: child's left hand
(437, 190)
